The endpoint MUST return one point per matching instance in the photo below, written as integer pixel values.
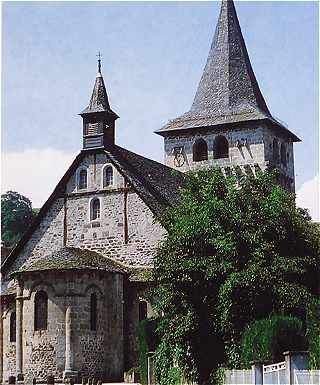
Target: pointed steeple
(99, 99)
(228, 84)
(228, 91)
(98, 117)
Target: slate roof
(228, 91)
(156, 184)
(99, 101)
(72, 258)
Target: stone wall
(286, 170)
(8, 348)
(248, 147)
(245, 147)
(47, 238)
(97, 353)
(125, 232)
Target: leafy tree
(266, 340)
(234, 253)
(16, 216)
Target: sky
(153, 54)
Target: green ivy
(266, 340)
(313, 333)
(233, 254)
(148, 340)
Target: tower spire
(228, 91)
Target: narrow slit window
(143, 310)
(93, 311)
(13, 327)
(283, 154)
(41, 311)
(275, 150)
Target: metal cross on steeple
(99, 56)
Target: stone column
(69, 372)
(19, 331)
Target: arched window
(95, 209)
(143, 313)
(200, 150)
(13, 327)
(41, 310)
(221, 147)
(275, 151)
(107, 176)
(93, 311)
(283, 154)
(82, 182)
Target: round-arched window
(107, 176)
(95, 209)
(82, 180)
(200, 150)
(221, 147)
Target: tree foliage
(266, 340)
(16, 217)
(233, 254)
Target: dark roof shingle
(72, 258)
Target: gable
(126, 232)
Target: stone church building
(73, 288)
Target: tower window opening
(221, 147)
(95, 209)
(143, 312)
(12, 336)
(41, 311)
(107, 176)
(283, 154)
(200, 150)
(83, 177)
(93, 312)
(275, 151)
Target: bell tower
(98, 117)
(229, 124)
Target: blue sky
(153, 57)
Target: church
(73, 288)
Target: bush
(266, 340)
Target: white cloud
(308, 197)
(34, 173)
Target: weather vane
(99, 56)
